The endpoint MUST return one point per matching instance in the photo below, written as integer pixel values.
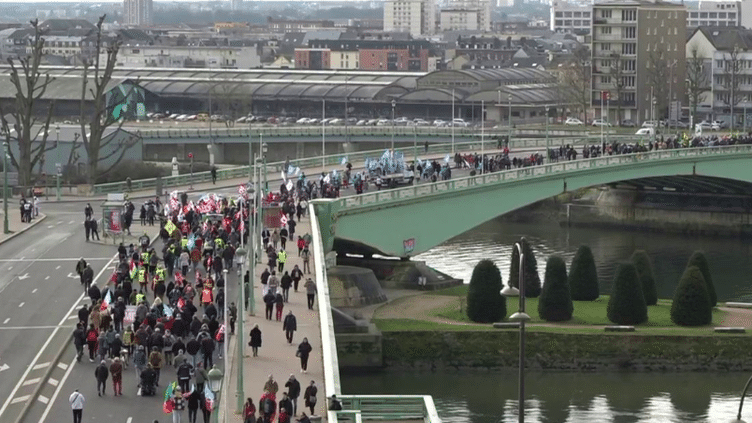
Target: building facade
(715, 13)
(376, 55)
(417, 17)
(638, 59)
(570, 17)
(458, 20)
(473, 15)
(138, 12)
(187, 57)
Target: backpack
(268, 406)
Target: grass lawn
(586, 313)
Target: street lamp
(522, 317)
(214, 377)
(509, 136)
(548, 149)
(482, 135)
(741, 403)
(415, 155)
(5, 188)
(394, 105)
(264, 149)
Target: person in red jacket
(91, 340)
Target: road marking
(72, 317)
(22, 258)
(62, 365)
(24, 276)
(46, 277)
(39, 354)
(6, 320)
(71, 222)
(36, 327)
(43, 399)
(33, 291)
(57, 268)
(10, 268)
(130, 419)
(19, 399)
(33, 249)
(31, 381)
(50, 226)
(41, 366)
(67, 259)
(21, 305)
(52, 381)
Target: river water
(580, 397)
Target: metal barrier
(388, 407)
(335, 159)
(382, 197)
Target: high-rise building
(418, 17)
(637, 75)
(236, 5)
(467, 15)
(570, 16)
(138, 12)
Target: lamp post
(264, 149)
(482, 135)
(5, 188)
(415, 155)
(741, 403)
(548, 147)
(522, 317)
(509, 136)
(241, 255)
(394, 106)
(214, 377)
(323, 134)
(652, 115)
(452, 122)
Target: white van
(645, 131)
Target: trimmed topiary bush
(691, 306)
(583, 276)
(555, 302)
(698, 259)
(644, 268)
(485, 304)
(627, 303)
(532, 279)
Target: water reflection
(728, 257)
(567, 397)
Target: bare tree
(103, 115)
(698, 81)
(574, 81)
(617, 76)
(658, 76)
(731, 79)
(25, 130)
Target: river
(579, 397)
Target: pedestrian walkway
(277, 357)
(15, 226)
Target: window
(712, 15)
(567, 14)
(605, 13)
(630, 32)
(605, 46)
(605, 30)
(577, 14)
(719, 63)
(629, 48)
(585, 14)
(605, 63)
(559, 15)
(605, 79)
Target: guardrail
(386, 196)
(388, 407)
(334, 131)
(335, 159)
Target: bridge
(408, 221)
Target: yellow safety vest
(140, 297)
(218, 242)
(184, 242)
(145, 258)
(282, 257)
(142, 275)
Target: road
(38, 308)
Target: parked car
(303, 121)
(440, 123)
(361, 122)
(337, 121)
(372, 122)
(650, 124)
(351, 121)
(645, 131)
(419, 122)
(718, 124)
(401, 121)
(191, 117)
(601, 122)
(383, 122)
(459, 122)
(677, 124)
(313, 121)
(573, 122)
(629, 123)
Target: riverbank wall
(484, 350)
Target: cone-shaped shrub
(691, 306)
(532, 279)
(485, 303)
(583, 276)
(644, 268)
(698, 259)
(555, 302)
(627, 304)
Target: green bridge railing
(394, 195)
(335, 159)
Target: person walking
(184, 376)
(156, 360)
(272, 283)
(304, 350)
(281, 259)
(116, 370)
(94, 229)
(91, 340)
(193, 404)
(280, 302)
(77, 402)
(79, 340)
(285, 283)
(269, 301)
(255, 342)
(293, 391)
(178, 405)
(310, 396)
(101, 374)
(306, 260)
(283, 234)
(139, 361)
(289, 325)
(310, 287)
(296, 276)
(232, 311)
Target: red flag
(181, 303)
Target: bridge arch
(409, 221)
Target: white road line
(21, 305)
(130, 419)
(53, 382)
(36, 327)
(39, 354)
(50, 226)
(72, 317)
(57, 268)
(22, 258)
(62, 365)
(33, 291)
(19, 399)
(66, 259)
(33, 249)
(71, 222)
(31, 381)
(41, 366)
(10, 268)
(43, 399)
(46, 277)
(6, 320)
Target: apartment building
(466, 15)
(417, 17)
(638, 58)
(138, 12)
(570, 17)
(376, 55)
(164, 56)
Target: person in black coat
(289, 325)
(192, 347)
(304, 350)
(255, 342)
(269, 301)
(94, 294)
(83, 315)
(101, 373)
(293, 391)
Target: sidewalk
(276, 356)
(15, 226)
